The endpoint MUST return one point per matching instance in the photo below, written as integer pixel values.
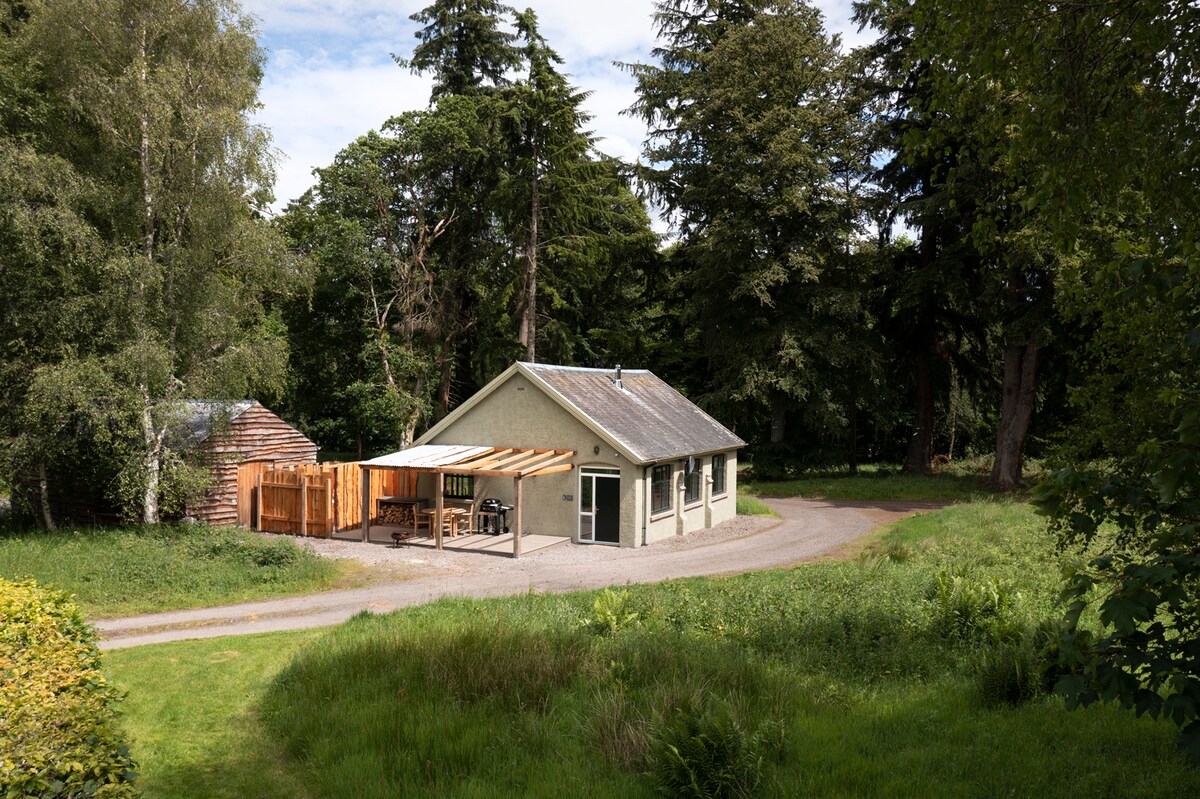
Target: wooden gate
(313, 499)
(297, 501)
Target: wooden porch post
(438, 503)
(366, 505)
(517, 516)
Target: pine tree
(750, 135)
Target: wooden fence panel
(320, 499)
(247, 489)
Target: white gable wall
(517, 413)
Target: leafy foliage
(58, 731)
(1104, 131)
(752, 151)
(965, 607)
(150, 241)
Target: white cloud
(316, 108)
(330, 76)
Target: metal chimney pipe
(617, 382)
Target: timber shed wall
(256, 434)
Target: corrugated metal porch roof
(486, 461)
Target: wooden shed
(243, 439)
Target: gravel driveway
(807, 530)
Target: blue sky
(330, 77)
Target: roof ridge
(598, 369)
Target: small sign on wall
(568, 497)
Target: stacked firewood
(396, 514)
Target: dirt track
(808, 530)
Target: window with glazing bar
(691, 485)
(460, 486)
(660, 488)
(718, 475)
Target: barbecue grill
(492, 516)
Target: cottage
(626, 460)
(242, 439)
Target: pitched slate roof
(644, 417)
(652, 420)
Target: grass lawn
(117, 572)
(191, 712)
(850, 679)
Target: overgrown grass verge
(115, 572)
(873, 486)
(752, 506)
(867, 678)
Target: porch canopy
(443, 459)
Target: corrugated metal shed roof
(645, 415)
(200, 416)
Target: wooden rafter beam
(529, 460)
(531, 469)
(489, 461)
(562, 467)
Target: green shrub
(58, 736)
(701, 752)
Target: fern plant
(611, 613)
(701, 752)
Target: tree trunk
(144, 160)
(44, 496)
(920, 445)
(152, 462)
(778, 420)
(853, 454)
(528, 332)
(414, 416)
(443, 395)
(1016, 411)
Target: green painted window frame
(718, 475)
(660, 488)
(691, 487)
(459, 486)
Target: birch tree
(152, 106)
